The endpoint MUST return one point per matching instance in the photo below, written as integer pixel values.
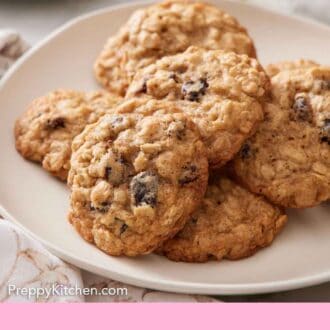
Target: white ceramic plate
(39, 203)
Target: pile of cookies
(192, 150)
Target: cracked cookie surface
(231, 223)
(222, 92)
(288, 159)
(135, 180)
(44, 133)
(165, 29)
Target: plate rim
(164, 285)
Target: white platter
(38, 203)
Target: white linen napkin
(29, 273)
(25, 263)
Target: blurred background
(34, 19)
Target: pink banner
(165, 316)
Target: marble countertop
(34, 19)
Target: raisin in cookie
(231, 223)
(288, 160)
(45, 131)
(222, 92)
(167, 29)
(135, 180)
